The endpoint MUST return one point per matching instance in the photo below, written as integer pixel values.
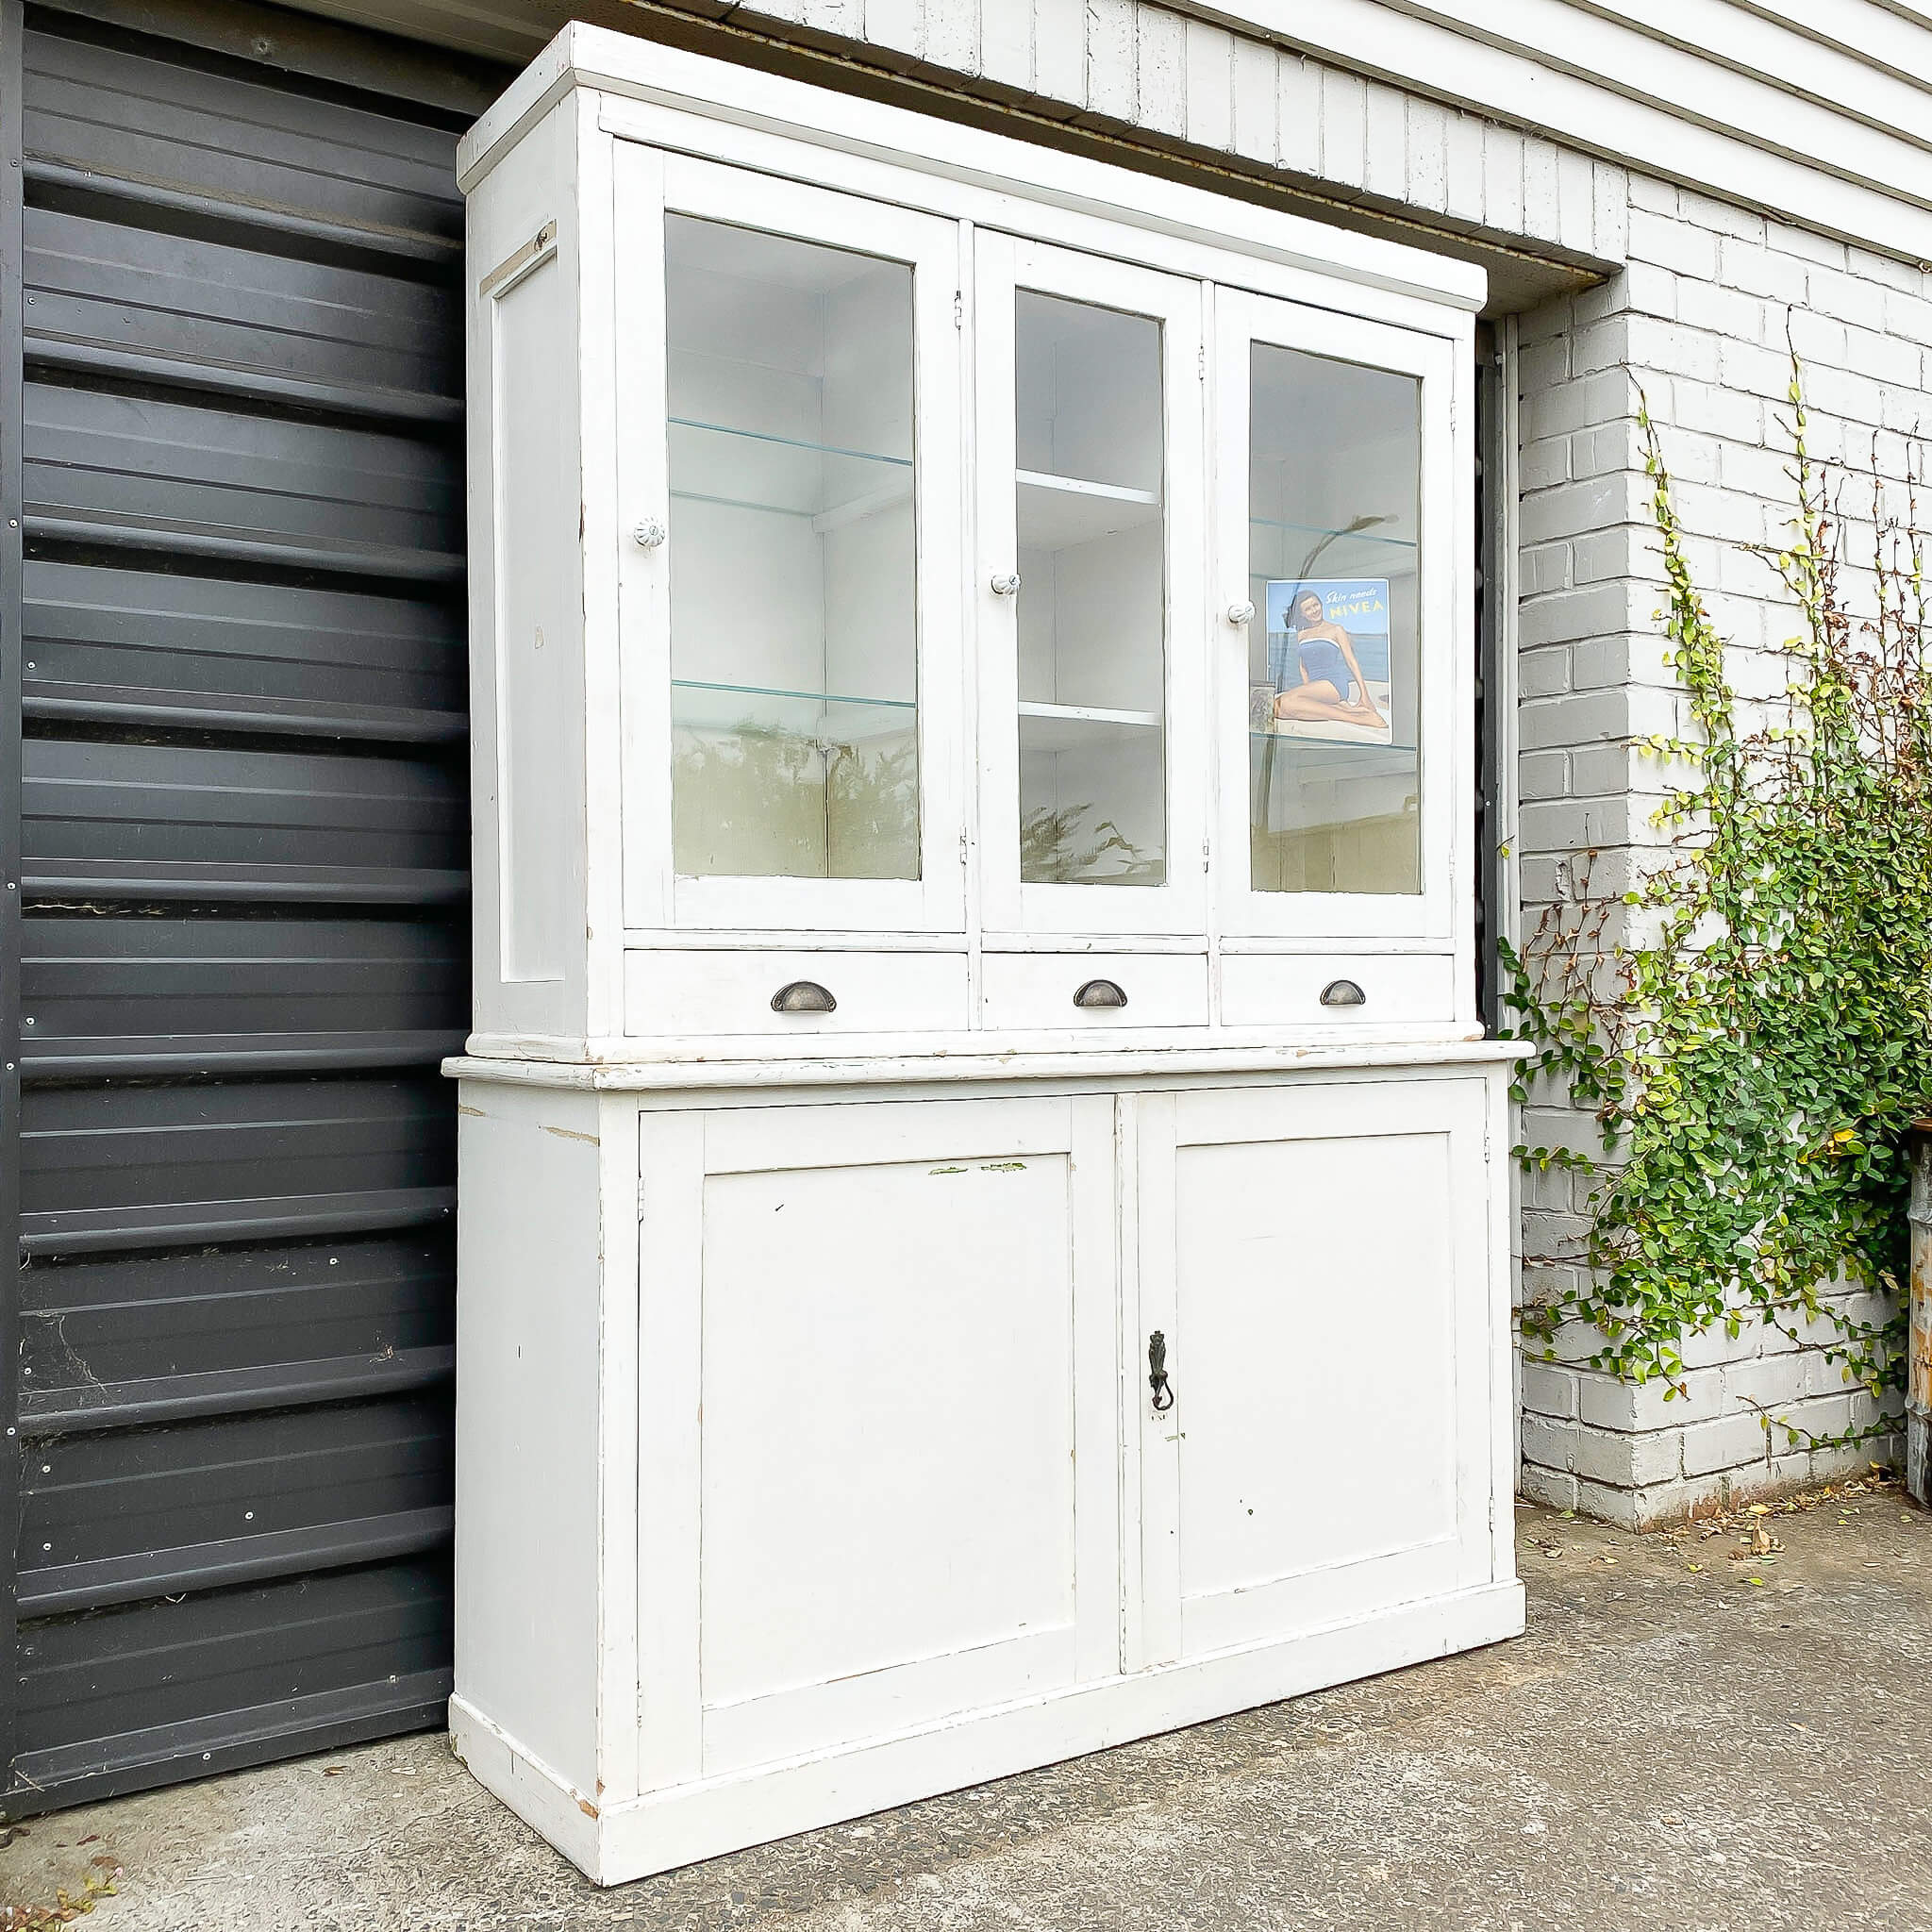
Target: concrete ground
(1716, 1728)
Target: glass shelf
(765, 710)
(823, 449)
(782, 475)
(1312, 746)
(1337, 536)
(774, 783)
(815, 697)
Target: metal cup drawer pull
(1343, 992)
(1100, 992)
(802, 997)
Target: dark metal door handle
(1100, 992)
(1343, 992)
(802, 997)
(1156, 1372)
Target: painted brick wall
(1701, 321)
(1696, 315)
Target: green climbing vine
(1749, 1013)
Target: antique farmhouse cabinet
(982, 1190)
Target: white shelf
(1071, 727)
(888, 496)
(1057, 512)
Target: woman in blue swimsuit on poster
(1332, 690)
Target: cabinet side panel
(526, 601)
(527, 1485)
(535, 561)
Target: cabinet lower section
(822, 1451)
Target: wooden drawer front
(1399, 989)
(1031, 990)
(693, 992)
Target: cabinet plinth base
(684, 1824)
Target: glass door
(1090, 593)
(1335, 554)
(792, 697)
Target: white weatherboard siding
(1508, 116)
(1822, 108)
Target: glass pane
(1092, 610)
(1334, 480)
(794, 680)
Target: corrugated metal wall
(243, 842)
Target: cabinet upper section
(894, 538)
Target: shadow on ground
(1699, 1732)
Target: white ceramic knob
(1241, 613)
(650, 533)
(1006, 583)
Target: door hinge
(641, 1197)
(962, 848)
(959, 308)
(1201, 361)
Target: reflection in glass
(1334, 476)
(794, 640)
(1092, 616)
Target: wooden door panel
(906, 1448)
(1319, 1279)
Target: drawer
(1027, 991)
(1285, 989)
(699, 992)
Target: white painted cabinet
(982, 1232)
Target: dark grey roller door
(235, 614)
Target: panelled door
(1313, 1270)
(884, 1437)
(243, 852)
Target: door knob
(1241, 613)
(1004, 583)
(649, 533)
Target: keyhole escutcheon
(1156, 1372)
